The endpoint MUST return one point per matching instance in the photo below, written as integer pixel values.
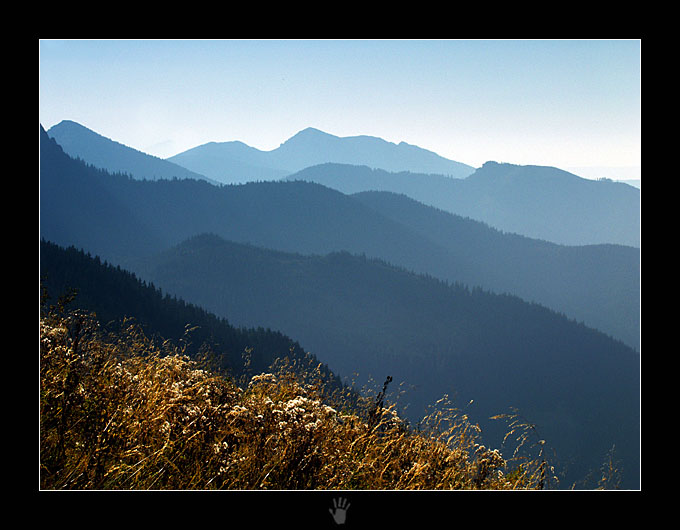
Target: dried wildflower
(263, 378)
(166, 424)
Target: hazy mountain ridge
(83, 209)
(535, 201)
(236, 162)
(229, 162)
(101, 152)
(556, 276)
(631, 182)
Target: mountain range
(377, 281)
(536, 201)
(235, 162)
(596, 284)
(122, 219)
(231, 162)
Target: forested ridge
(115, 295)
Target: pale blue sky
(569, 104)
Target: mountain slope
(115, 294)
(121, 220)
(367, 317)
(79, 207)
(296, 217)
(235, 162)
(535, 201)
(81, 142)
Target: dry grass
(120, 412)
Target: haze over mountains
(598, 285)
(375, 280)
(234, 162)
(536, 201)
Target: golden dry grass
(122, 412)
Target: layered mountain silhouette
(122, 219)
(536, 201)
(236, 162)
(80, 142)
(379, 284)
(597, 284)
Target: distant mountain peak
(73, 127)
(313, 130)
(69, 123)
(307, 134)
(493, 170)
(78, 141)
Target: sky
(572, 104)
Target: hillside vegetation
(120, 411)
